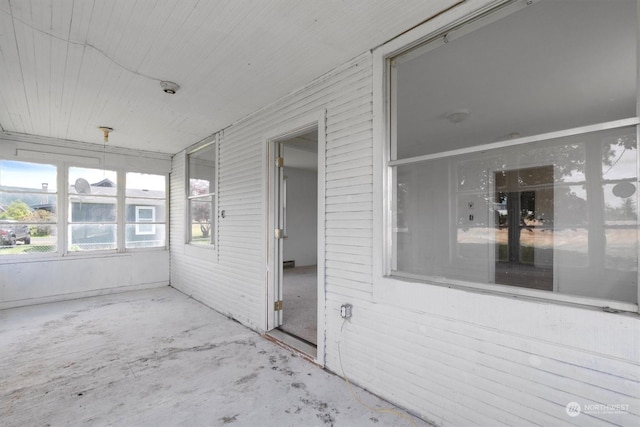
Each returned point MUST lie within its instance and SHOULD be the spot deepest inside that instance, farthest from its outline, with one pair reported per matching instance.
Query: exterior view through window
(28, 208)
(29, 220)
(513, 153)
(145, 210)
(93, 209)
(202, 194)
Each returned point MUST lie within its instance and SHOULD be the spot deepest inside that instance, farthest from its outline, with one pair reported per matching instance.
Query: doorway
(524, 227)
(297, 268)
(299, 188)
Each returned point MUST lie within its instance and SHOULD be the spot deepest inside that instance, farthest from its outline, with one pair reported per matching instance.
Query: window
(513, 152)
(28, 208)
(145, 210)
(145, 216)
(93, 207)
(202, 194)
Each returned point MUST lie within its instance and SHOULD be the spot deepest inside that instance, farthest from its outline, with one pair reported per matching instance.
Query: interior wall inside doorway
(302, 216)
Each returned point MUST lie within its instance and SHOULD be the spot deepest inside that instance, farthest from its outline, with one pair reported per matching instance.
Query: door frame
(287, 130)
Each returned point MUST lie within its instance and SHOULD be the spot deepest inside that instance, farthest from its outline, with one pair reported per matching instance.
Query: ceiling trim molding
(83, 146)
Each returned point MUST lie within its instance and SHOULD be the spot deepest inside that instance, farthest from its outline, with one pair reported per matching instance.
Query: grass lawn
(38, 245)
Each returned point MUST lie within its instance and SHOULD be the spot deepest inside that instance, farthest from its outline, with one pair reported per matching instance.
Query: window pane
(28, 206)
(145, 235)
(142, 185)
(91, 237)
(537, 70)
(27, 176)
(140, 209)
(540, 216)
(202, 171)
(29, 238)
(92, 181)
(145, 213)
(201, 221)
(620, 200)
(93, 209)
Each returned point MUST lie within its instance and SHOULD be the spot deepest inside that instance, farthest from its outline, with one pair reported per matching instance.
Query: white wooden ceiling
(67, 67)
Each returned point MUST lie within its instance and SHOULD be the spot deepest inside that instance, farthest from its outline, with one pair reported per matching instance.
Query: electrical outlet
(345, 311)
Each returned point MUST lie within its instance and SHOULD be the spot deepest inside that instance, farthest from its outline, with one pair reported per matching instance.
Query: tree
(201, 207)
(17, 210)
(40, 216)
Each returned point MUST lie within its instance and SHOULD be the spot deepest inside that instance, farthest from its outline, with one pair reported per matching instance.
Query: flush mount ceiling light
(169, 87)
(105, 132)
(457, 116)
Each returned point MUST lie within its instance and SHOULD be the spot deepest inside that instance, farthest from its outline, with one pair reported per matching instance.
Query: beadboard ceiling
(67, 67)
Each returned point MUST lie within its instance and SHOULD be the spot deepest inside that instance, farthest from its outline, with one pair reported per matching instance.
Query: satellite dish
(82, 186)
(624, 190)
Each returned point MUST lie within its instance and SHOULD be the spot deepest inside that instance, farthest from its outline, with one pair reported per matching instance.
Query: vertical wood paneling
(236, 277)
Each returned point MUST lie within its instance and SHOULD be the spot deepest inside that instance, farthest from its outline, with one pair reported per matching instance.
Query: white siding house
(454, 347)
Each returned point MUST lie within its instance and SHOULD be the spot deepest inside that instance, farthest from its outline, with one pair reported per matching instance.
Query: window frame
(144, 222)
(63, 223)
(137, 205)
(119, 247)
(464, 18)
(213, 141)
(58, 194)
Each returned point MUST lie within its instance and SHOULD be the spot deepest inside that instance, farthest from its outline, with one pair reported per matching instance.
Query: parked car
(12, 232)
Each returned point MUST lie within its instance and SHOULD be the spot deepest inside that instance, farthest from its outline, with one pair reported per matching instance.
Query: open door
(297, 284)
(524, 227)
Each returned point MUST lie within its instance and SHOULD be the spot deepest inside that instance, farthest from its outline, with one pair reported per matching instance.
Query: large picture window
(513, 155)
(202, 195)
(28, 208)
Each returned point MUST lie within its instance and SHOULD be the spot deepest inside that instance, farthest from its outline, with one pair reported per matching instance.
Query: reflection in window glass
(558, 226)
(513, 78)
(620, 202)
(93, 207)
(145, 210)
(512, 161)
(28, 208)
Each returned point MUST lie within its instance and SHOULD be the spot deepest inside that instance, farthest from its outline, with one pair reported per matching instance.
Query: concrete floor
(301, 302)
(159, 358)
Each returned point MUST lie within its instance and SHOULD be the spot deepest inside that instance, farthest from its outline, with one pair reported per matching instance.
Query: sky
(33, 175)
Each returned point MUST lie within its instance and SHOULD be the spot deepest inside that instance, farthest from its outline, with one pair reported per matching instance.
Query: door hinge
(277, 306)
(280, 162)
(279, 233)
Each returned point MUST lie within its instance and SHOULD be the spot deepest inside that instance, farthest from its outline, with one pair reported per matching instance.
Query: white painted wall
(301, 244)
(26, 280)
(454, 356)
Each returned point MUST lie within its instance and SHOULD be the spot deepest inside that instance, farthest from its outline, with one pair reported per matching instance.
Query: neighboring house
(96, 213)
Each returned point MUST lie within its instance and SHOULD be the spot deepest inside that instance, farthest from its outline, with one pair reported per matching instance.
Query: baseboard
(77, 295)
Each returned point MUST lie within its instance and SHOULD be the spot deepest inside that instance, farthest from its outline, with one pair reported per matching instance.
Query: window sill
(205, 253)
(53, 257)
(387, 289)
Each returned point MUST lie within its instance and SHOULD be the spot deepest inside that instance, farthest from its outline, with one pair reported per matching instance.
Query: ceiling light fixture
(105, 132)
(169, 87)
